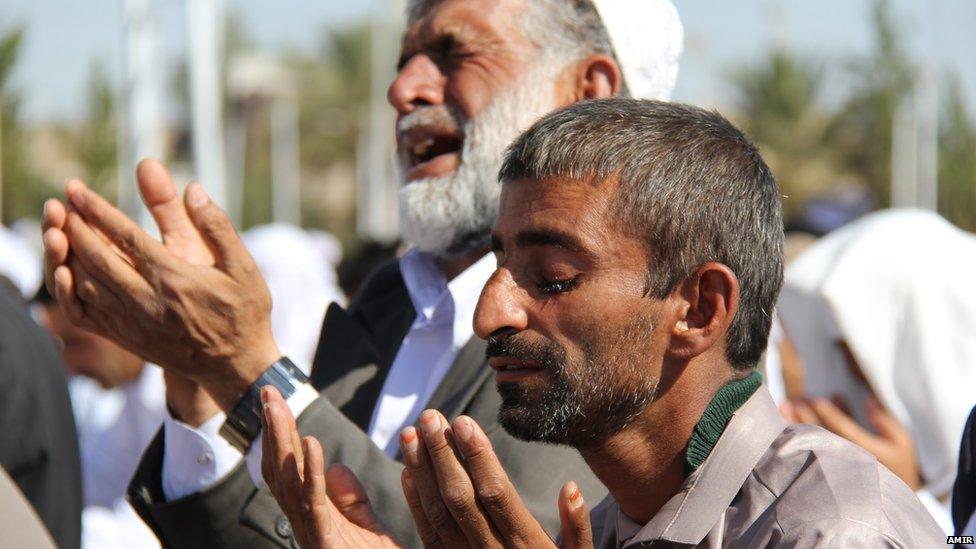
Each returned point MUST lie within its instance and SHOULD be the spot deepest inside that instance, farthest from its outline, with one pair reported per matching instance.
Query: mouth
(511, 369)
(430, 151)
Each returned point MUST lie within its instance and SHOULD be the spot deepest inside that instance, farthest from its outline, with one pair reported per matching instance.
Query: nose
(419, 82)
(499, 308)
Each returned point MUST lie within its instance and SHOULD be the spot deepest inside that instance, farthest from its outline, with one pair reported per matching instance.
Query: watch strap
(244, 422)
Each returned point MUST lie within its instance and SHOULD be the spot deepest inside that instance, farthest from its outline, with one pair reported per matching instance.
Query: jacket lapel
(462, 381)
(357, 348)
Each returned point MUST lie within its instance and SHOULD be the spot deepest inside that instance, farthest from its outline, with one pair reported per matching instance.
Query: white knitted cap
(647, 39)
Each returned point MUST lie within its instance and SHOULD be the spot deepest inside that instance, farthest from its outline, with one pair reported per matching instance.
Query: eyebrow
(546, 238)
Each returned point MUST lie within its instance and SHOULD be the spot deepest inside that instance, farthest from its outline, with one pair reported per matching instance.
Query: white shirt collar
(440, 303)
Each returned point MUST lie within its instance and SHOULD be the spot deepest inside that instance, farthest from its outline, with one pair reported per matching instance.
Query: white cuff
(195, 458)
(297, 402)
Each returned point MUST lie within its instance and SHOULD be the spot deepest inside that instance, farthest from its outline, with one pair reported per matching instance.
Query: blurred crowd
(871, 339)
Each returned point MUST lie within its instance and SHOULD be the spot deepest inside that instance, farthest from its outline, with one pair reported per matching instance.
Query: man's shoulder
(817, 480)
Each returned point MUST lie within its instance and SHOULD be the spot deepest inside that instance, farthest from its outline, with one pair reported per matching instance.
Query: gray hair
(563, 30)
(691, 185)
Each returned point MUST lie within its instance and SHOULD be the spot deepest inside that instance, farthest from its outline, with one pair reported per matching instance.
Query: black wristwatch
(244, 421)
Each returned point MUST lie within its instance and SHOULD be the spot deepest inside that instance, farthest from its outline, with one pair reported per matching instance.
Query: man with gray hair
(640, 252)
(472, 75)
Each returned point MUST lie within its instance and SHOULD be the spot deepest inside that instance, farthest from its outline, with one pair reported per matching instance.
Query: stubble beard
(582, 404)
(451, 215)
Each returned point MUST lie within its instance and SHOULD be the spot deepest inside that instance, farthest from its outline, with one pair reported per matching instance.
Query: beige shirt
(767, 483)
(19, 524)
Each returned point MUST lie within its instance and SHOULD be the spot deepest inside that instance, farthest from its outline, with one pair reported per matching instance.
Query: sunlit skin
(91, 355)
(460, 53)
(593, 282)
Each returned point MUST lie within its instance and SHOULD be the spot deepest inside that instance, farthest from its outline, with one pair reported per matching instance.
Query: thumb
(349, 497)
(883, 421)
(574, 519)
(218, 233)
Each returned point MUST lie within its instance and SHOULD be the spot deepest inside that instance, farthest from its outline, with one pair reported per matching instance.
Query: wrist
(187, 401)
(245, 419)
(228, 385)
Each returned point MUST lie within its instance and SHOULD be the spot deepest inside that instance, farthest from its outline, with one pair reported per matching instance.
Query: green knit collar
(709, 428)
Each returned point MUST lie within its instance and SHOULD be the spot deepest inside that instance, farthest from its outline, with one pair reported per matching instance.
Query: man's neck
(457, 265)
(643, 465)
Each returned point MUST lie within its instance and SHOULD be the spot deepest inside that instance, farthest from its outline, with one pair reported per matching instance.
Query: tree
(20, 192)
(779, 105)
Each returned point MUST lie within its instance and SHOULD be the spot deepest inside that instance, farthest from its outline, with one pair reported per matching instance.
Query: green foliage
(95, 142)
(813, 148)
(21, 191)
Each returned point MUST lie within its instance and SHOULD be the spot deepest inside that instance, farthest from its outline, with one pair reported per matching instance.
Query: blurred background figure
(964, 492)
(119, 404)
(300, 269)
(20, 264)
(38, 443)
(878, 321)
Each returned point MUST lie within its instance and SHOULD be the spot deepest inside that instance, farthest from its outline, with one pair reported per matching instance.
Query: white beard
(452, 214)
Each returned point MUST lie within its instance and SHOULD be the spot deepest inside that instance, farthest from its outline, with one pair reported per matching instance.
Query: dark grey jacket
(351, 364)
(38, 441)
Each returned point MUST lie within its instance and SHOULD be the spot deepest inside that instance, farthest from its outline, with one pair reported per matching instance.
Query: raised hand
(891, 442)
(209, 323)
(460, 495)
(326, 508)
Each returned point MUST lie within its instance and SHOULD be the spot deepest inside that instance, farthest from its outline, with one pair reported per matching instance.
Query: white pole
(141, 125)
(285, 163)
(904, 157)
(376, 194)
(205, 21)
(927, 124)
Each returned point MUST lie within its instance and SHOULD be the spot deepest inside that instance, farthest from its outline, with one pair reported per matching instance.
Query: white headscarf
(299, 267)
(647, 39)
(897, 287)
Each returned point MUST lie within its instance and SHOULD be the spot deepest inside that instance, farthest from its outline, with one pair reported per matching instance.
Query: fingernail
(462, 428)
(196, 196)
(265, 394)
(408, 441)
(429, 422)
(576, 500)
(77, 199)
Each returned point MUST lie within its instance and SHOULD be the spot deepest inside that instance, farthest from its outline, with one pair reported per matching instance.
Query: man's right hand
(210, 323)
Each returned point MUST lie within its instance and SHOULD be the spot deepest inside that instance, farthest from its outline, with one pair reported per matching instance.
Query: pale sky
(66, 36)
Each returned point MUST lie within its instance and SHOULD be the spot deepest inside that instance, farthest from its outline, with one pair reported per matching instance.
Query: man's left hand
(460, 495)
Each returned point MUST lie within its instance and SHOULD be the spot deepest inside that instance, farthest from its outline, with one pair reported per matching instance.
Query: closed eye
(552, 287)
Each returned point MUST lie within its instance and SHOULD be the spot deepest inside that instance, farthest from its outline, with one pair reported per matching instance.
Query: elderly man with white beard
(472, 75)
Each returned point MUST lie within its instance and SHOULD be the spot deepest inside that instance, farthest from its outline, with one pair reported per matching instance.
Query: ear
(708, 300)
(597, 77)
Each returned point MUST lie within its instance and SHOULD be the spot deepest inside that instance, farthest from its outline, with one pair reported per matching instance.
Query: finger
(316, 509)
(805, 413)
(288, 478)
(455, 485)
(418, 462)
(347, 493)
(102, 308)
(103, 263)
(884, 422)
(218, 232)
(146, 253)
(428, 535)
(56, 249)
(574, 518)
(64, 293)
(53, 215)
(494, 489)
(788, 411)
(267, 455)
(839, 423)
(164, 202)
